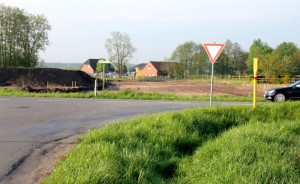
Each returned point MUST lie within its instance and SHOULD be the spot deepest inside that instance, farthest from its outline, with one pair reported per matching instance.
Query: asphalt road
(26, 124)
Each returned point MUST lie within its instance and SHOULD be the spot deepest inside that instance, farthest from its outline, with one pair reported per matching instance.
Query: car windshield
(294, 84)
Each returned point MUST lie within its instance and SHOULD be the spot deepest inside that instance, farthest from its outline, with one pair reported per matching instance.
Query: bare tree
(120, 49)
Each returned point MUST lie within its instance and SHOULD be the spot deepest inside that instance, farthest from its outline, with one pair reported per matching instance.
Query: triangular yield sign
(213, 50)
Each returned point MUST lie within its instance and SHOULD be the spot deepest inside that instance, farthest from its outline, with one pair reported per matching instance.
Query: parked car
(292, 92)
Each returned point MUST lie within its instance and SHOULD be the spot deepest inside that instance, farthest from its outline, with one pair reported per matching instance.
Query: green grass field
(126, 94)
(204, 145)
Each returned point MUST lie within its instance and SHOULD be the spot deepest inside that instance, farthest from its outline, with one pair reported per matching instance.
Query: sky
(80, 28)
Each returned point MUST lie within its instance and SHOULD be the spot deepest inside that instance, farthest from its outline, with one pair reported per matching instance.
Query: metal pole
(254, 91)
(211, 85)
(255, 68)
(96, 86)
(103, 78)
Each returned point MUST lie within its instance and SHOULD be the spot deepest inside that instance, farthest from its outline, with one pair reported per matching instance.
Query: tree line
(22, 36)
(190, 58)
(284, 60)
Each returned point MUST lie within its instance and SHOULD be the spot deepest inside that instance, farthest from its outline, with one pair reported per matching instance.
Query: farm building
(154, 69)
(139, 69)
(89, 66)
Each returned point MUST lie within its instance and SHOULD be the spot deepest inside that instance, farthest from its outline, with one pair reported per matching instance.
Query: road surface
(27, 124)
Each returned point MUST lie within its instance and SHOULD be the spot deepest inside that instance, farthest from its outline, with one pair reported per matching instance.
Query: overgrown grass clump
(126, 94)
(218, 145)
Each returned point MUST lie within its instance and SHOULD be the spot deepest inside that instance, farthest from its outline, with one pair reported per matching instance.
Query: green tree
(186, 55)
(11, 20)
(119, 48)
(124, 70)
(34, 38)
(273, 65)
(297, 63)
(173, 69)
(288, 50)
(232, 61)
(99, 67)
(257, 50)
(281, 61)
(22, 36)
(201, 61)
(183, 54)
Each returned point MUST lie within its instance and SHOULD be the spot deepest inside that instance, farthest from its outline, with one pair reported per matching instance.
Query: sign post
(103, 61)
(255, 68)
(211, 85)
(213, 51)
(96, 87)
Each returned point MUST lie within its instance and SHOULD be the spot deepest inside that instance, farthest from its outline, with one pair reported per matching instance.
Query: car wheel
(279, 97)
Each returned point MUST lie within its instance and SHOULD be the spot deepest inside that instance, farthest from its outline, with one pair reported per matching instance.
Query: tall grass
(126, 94)
(232, 144)
(258, 152)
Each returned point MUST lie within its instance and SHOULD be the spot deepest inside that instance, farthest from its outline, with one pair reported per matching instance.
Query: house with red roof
(139, 70)
(154, 69)
(89, 66)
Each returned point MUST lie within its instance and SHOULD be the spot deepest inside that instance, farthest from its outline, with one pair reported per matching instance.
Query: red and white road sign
(213, 50)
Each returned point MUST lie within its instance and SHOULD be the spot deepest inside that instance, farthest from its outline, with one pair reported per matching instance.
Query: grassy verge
(126, 94)
(255, 153)
(218, 145)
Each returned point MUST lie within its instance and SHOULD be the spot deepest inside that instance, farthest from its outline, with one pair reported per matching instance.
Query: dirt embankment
(45, 79)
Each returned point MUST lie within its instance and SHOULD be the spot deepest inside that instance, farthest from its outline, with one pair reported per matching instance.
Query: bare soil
(185, 88)
(45, 79)
(52, 79)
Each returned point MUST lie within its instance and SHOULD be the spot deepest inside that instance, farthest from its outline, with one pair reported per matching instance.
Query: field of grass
(126, 94)
(204, 145)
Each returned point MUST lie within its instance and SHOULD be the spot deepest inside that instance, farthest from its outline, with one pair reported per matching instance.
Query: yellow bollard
(255, 68)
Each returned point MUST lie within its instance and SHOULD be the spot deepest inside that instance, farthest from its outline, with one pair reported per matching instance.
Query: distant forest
(66, 66)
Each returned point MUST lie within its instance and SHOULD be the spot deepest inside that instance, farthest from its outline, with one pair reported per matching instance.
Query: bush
(273, 79)
(286, 79)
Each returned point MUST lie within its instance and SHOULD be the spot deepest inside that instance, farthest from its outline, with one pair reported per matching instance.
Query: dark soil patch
(46, 79)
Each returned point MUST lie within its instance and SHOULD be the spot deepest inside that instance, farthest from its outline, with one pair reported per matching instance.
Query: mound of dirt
(45, 78)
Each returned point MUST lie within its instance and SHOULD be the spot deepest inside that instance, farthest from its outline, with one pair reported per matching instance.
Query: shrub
(286, 79)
